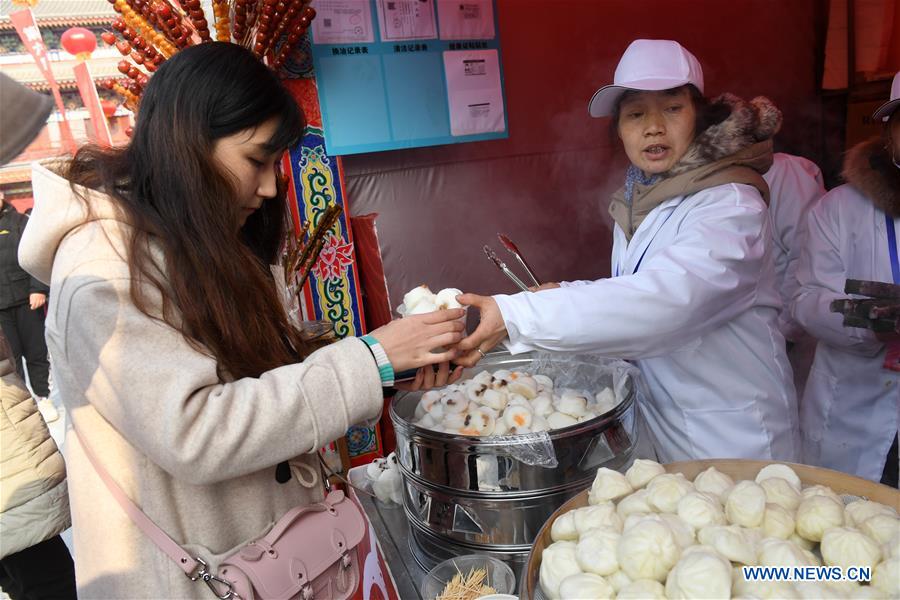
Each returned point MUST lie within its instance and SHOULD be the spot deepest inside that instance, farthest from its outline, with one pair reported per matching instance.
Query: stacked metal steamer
(491, 495)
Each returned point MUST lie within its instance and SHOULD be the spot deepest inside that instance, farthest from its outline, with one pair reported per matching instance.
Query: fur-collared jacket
(737, 149)
(868, 169)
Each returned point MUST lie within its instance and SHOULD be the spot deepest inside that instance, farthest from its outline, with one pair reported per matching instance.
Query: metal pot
(493, 494)
(462, 463)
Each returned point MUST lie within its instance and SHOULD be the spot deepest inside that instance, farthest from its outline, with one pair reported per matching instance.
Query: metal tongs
(514, 250)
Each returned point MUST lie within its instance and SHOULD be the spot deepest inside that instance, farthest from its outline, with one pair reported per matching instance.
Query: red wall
(547, 186)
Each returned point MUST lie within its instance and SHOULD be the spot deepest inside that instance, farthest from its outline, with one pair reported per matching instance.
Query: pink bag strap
(194, 567)
(185, 561)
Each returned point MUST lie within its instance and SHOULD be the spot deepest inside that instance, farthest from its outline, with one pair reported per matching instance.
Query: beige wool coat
(34, 505)
(196, 453)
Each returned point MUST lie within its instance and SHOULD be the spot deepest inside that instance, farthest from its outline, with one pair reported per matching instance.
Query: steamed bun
(700, 574)
(700, 509)
(596, 551)
(634, 503)
(642, 589)
(608, 485)
(778, 522)
(782, 472)
(746, 504)
(665, 491)
(818, 513)
(585, 586)
(642, 471)
(846, 547)
(734, 543)
(557, 562)
(648, 551)
(563, 527)
(713, 481)
(599, 515)
(781, 492)
(861, 510)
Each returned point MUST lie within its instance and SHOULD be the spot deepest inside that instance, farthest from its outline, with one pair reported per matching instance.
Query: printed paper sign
(466, 19)
(474, 92)
(406, 20)
(342, 22)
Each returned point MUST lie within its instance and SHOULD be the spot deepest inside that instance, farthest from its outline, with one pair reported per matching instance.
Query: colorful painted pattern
(332, 291)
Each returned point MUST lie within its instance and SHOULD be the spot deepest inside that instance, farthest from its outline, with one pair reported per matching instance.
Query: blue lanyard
(650, 243)
(892, 247)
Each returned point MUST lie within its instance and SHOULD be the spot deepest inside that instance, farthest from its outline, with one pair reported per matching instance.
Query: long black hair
(214, 282)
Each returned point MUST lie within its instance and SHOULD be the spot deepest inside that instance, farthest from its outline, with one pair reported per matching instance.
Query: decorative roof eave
(65, 85)
(6, 24)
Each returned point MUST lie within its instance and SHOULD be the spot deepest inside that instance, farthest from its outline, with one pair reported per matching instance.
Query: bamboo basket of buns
(738, 469)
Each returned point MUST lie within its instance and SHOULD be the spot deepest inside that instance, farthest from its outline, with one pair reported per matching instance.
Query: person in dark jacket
(22, 297)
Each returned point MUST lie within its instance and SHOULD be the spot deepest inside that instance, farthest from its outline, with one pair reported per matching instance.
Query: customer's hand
(544, 286)
(35, 301)
(490, 331)
(408, 342)
(427, 378)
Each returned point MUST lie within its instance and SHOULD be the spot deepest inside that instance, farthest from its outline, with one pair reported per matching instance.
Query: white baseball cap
(885, 111)
(650, 66)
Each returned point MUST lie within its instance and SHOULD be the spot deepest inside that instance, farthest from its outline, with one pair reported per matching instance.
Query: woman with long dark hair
(171, 349)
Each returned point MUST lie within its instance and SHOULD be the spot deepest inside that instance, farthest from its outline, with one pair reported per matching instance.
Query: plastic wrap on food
(534, 449)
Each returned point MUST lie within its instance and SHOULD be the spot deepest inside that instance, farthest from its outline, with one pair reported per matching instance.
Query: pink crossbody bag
(309, 554)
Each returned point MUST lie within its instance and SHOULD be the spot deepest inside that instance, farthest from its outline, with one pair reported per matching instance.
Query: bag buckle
(213, 582)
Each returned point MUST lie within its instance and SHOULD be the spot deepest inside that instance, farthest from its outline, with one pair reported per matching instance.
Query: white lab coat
(851, 408)
(699, 318)
(795, 185)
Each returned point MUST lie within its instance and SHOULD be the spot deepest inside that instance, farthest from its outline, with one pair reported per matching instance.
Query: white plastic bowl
(499, 576)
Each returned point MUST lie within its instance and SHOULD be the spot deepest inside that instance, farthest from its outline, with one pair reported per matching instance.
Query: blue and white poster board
(397, 74)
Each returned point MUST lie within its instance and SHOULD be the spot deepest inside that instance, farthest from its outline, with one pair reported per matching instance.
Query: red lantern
(109, 108)
(79, 41)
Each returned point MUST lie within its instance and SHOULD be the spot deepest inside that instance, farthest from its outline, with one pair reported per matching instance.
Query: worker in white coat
(693, 300)
(851, 408)
(795, 185)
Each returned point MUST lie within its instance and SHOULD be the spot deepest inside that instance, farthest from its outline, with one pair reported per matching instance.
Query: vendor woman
(692, 301)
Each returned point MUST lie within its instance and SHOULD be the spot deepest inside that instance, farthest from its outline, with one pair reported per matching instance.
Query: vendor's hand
(408, 341)
(427, 378)
(543, 286)
(490, 331)
(35, 301)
